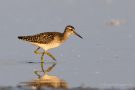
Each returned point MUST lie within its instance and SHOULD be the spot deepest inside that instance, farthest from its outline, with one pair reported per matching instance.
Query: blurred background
(104, 58)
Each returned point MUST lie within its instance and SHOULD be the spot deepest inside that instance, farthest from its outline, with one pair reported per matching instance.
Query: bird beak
(78, 35)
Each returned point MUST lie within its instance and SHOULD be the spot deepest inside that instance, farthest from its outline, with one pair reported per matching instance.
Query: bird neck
(66, 35)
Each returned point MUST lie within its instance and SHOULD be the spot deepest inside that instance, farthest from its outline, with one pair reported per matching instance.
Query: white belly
(47, 46)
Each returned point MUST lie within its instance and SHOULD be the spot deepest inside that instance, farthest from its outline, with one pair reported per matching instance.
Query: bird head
(70, 30)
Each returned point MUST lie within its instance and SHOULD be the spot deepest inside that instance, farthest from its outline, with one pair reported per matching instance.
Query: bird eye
(71, 29)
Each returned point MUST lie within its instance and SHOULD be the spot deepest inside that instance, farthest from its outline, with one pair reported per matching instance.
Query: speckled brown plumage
(42, 38)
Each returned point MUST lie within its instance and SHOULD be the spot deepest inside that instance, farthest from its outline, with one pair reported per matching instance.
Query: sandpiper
(49, 40)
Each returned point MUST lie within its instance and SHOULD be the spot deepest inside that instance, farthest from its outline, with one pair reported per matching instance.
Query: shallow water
(104, 58)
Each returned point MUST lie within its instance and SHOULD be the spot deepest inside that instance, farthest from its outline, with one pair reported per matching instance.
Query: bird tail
(27, 38)
(20, 37)
(23, 38)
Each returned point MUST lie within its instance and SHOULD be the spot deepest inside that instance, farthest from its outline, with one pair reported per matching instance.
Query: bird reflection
(45, 80)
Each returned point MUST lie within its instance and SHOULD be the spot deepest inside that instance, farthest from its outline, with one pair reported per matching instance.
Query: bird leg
(49, 54)
(42, 57)
(36, 51)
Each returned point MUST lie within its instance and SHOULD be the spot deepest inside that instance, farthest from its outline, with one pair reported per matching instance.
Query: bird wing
(42, 38)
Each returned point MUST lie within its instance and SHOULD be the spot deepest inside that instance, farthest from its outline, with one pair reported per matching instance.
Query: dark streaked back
(42, 38)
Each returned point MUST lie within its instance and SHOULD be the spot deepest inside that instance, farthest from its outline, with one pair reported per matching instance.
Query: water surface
(104, 58)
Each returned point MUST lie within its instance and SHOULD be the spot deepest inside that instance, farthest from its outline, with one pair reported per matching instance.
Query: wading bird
(49, 40)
